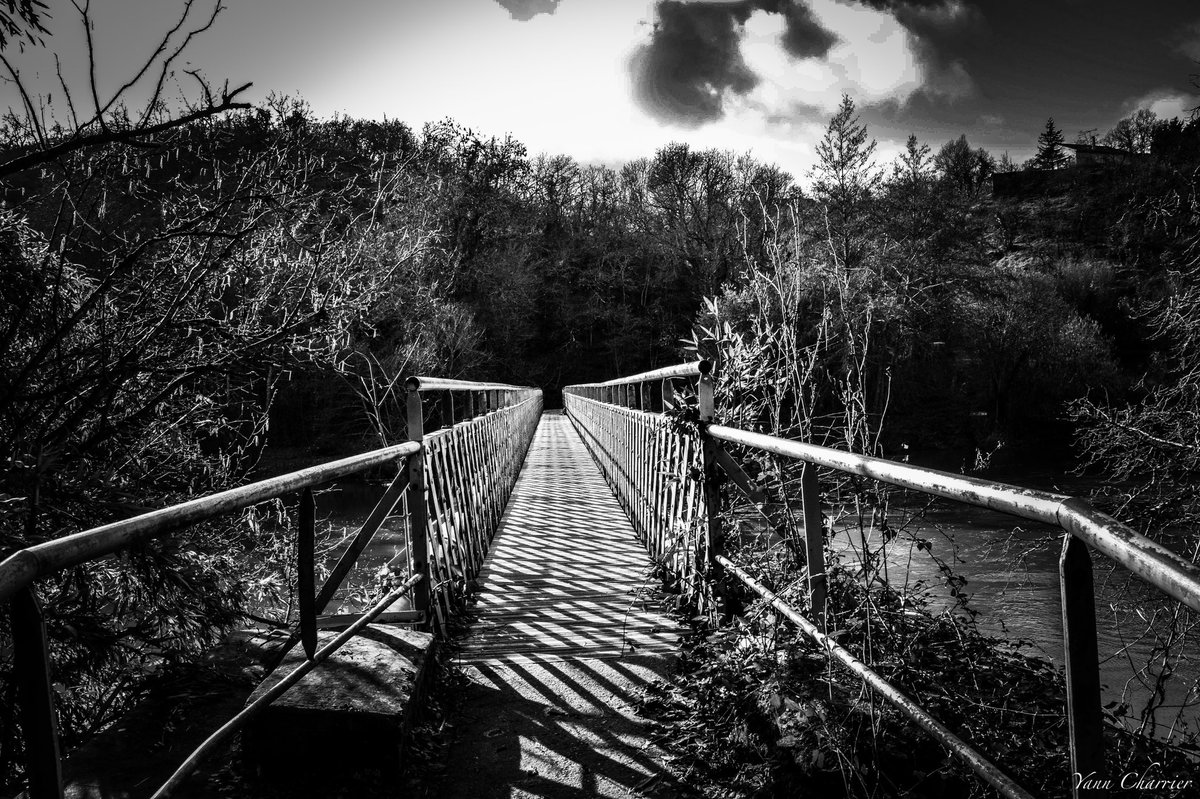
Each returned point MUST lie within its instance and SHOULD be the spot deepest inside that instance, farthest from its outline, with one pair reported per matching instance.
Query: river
(1011, 567)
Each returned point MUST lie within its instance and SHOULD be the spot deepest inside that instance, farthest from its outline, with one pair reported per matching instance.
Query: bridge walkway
(566, 638)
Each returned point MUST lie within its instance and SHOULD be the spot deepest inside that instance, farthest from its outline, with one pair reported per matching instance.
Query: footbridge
(536, 537)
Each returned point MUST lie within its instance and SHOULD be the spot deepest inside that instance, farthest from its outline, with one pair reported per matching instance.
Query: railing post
(417, 540)
(306, 587)
(1082, 666)
(470, 406)
(668, 394)
(814, 542)
(714, 539)
(31, 667)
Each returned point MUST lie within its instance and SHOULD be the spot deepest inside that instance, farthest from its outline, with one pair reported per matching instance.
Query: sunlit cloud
(704, 60)
(1166, 103)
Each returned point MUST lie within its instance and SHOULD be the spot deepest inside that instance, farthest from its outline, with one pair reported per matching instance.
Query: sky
(611, 80)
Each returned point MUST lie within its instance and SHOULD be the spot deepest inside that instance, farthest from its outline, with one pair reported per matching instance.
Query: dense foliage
(179, 298)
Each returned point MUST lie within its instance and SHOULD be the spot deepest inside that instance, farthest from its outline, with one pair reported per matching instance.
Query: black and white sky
(609, 80)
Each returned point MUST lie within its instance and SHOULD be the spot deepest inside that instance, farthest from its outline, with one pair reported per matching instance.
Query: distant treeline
(172, 303)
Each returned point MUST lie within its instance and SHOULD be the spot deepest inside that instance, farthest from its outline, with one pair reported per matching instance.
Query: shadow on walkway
(556, 728)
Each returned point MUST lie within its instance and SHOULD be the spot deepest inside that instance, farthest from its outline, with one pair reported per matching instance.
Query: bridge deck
(566, 574)
(564, 643)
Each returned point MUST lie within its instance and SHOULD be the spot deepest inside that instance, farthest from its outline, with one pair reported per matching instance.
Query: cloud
(525, 10)
(1188, 41)
(786, 58)
(1166, 103)
(693, 62)
(874, 61)
(803, 35)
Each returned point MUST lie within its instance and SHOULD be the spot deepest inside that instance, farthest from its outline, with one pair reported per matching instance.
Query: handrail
(1154, 563)
(693, 369)
(22, 567)
(622, 432)
(417, 383)
(447, 538)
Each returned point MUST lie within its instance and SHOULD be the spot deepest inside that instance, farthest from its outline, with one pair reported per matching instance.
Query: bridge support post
(814, 542)
(714, 538)
(1082, 665)
(417, 522)
(31, 667)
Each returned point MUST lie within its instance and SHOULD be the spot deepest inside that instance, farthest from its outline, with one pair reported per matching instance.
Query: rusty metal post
(417, 537)
(714, 538)
(1082, 664)
(814, 542)
(31, 669)
(306, 586)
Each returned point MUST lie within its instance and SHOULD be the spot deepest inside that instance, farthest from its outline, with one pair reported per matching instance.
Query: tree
(844, 181)
(1133, 134)
(21, 19)
(1051, 154)
(914, 167)
(964, 170)
(31, 141)
(911, 215)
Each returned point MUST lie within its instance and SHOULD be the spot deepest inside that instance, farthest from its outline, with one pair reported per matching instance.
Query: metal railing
(466, 472)
(622, 437)
(649, 465)
(452, 484)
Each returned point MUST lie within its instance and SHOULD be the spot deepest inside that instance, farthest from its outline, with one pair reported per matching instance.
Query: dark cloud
(693, 58)
(803, 37)
(525, 10)
(900, 5)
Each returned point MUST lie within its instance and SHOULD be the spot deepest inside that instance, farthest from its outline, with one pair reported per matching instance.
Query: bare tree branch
(130, 136)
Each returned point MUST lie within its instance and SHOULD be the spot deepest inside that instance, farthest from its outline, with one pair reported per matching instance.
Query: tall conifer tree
(1051, 154)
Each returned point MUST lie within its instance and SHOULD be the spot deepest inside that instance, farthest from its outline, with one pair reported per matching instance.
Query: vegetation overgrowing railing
(619, 422)
(452, 485)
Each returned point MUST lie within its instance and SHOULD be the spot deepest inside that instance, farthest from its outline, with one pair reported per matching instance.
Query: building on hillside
(1091, 155)
(1095, 166)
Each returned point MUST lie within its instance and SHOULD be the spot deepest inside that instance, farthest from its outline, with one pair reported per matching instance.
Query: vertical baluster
(1082, 662)
(814, 542)
(306, 586)
(417, 544)
(441, 523)
(712, 493)
(31, 669)
(440, 569)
